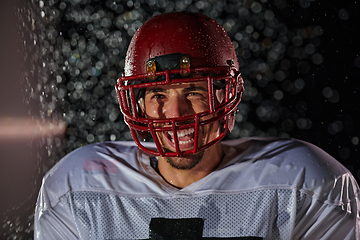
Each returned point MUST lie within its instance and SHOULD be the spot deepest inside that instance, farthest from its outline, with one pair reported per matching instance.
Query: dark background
(60, 60)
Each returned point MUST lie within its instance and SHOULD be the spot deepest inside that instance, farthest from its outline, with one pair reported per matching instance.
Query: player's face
(171, 101)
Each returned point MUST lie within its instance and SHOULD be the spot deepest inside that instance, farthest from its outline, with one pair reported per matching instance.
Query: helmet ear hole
(220, 95)
(231, 121)
(143, 135)
(141, 108)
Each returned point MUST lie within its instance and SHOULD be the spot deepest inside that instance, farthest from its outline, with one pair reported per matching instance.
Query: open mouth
(185, 138)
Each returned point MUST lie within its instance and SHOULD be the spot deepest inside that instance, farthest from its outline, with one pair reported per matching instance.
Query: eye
(196, 95)
(158, 96)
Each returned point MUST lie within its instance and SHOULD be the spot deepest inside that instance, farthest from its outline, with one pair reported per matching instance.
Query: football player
(180, 92)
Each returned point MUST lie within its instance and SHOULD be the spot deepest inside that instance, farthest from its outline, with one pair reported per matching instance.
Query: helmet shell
(194, 34)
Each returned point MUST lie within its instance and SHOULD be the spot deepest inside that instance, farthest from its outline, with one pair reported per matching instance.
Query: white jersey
(266, 188)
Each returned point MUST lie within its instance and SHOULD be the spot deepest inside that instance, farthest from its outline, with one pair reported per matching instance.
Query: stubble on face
(185, 162)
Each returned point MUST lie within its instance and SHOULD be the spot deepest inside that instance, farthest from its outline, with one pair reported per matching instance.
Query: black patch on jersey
(163, 228)
(184, 228)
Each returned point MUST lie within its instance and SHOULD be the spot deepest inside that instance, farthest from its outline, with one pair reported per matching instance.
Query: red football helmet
(178, 48)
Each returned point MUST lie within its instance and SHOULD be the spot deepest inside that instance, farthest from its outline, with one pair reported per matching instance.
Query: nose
(176, 106)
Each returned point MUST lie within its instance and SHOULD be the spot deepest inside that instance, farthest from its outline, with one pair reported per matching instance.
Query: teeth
(183, 132)
(183, 142)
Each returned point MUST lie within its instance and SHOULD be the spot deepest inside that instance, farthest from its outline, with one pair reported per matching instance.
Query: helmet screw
(185, 59)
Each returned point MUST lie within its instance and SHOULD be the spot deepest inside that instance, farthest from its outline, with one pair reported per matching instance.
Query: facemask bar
(127, 89)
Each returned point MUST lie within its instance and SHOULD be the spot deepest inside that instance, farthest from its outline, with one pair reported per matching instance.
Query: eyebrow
(189, 89)
(155, 90)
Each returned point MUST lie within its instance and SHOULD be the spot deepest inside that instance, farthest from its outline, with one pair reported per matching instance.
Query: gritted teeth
(183, 142)
(183, 132)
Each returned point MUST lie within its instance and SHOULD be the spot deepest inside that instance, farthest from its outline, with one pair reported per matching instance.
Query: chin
(186, 162)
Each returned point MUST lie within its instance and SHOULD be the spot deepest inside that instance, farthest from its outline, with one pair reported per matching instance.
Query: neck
(182, 177)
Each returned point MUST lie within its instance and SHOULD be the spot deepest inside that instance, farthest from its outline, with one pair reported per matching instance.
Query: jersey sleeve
(94, 167)
(332, 206)
(319, 219)
(53, 222)
(53, 216)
